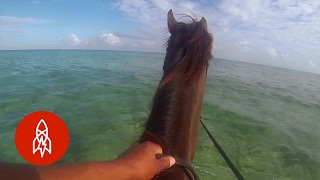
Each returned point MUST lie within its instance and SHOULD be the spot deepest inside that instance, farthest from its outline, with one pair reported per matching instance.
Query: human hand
(137, 163)
(142, 161)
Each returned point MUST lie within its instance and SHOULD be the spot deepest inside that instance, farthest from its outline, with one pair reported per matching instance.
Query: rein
(223, 154)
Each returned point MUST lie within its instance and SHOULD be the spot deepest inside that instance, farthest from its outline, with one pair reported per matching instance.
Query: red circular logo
(42, 138)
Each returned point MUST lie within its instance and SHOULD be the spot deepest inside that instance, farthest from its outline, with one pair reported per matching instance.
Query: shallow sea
(267, 119)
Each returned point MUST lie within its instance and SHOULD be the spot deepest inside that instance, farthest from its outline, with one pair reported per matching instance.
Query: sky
(282, 33)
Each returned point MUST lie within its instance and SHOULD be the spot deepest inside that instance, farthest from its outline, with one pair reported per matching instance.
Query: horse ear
(171, 21)
(203, 23)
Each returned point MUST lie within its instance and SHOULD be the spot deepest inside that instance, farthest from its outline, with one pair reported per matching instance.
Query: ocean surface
(267, 119)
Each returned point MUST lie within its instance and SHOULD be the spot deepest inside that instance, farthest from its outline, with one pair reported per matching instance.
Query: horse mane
(198, 47)
(165, 104)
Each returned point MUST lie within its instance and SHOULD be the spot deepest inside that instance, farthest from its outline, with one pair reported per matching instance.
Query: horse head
(174, 119)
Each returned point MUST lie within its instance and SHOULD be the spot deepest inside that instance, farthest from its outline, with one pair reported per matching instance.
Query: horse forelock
(195, 58)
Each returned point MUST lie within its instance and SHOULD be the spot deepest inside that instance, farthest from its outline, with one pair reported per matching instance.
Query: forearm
(95, 170)
(137, 163)
(12, 171)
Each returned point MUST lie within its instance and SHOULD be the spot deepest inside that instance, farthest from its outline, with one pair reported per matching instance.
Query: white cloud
(153, 12)
(130, 36)
(148, 43)
(14, 21)
(105, 38)
(102, 39)
(277, 29)
(21, 32)
(272, 51)
(246, 48)
(73, 39)
(244, 43)
(311, 64)
(285, 31)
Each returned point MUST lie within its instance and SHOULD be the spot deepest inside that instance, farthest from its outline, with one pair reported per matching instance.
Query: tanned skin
(136, 163)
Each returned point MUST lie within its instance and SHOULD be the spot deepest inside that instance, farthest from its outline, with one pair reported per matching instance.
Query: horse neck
(174, 119)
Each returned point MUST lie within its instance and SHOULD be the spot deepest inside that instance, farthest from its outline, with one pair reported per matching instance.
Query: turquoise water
(267, 119)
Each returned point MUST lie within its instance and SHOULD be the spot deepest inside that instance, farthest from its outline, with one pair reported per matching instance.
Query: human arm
(138, 163)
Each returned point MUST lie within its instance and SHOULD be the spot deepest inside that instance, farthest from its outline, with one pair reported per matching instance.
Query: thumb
(166, 162)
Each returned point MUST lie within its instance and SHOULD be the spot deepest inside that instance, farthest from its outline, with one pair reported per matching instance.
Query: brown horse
(174, 119)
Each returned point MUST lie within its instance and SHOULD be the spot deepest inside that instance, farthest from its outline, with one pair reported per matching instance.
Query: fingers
(166, 162)
(152, 147)
(162, 163)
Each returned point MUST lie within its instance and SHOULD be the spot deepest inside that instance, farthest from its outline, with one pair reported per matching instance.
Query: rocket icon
(42, 141)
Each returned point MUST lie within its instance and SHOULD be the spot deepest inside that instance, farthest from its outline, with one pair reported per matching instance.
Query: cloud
(130, 36)
(311, 64)
(246, 48)
(279, 33)
(152, 12)
(148, 43)
(11, 27)
(105, 38)
(272, 51)
(72, 39)
(21, 32)
(102, 40)
(244, 42)
(288, 30)
(14, 21)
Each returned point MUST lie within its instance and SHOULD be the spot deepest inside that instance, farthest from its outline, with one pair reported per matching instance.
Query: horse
(176, 106)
